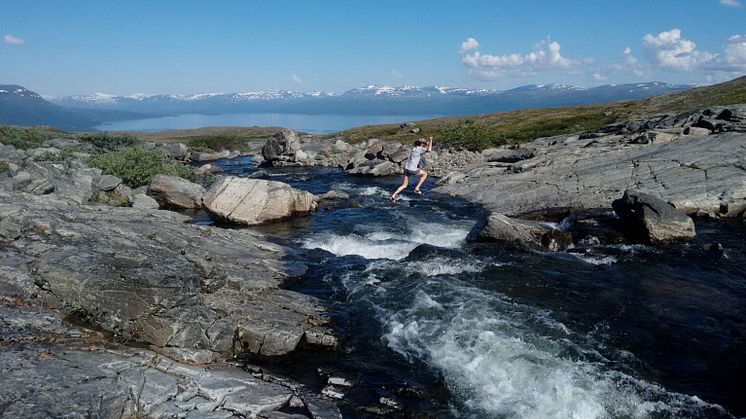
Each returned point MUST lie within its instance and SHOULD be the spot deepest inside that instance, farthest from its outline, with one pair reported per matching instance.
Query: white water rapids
(498, 358)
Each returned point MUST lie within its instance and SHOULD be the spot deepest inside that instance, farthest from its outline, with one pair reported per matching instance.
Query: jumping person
(412, 167)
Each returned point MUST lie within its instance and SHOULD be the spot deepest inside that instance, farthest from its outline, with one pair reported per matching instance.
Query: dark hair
(420, 141)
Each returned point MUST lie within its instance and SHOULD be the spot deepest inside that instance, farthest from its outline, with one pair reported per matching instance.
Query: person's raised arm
(430, 144)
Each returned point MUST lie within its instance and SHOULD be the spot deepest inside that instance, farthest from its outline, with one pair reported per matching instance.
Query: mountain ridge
(372, 99)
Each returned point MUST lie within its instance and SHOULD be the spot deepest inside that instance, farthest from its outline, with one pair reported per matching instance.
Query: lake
(312, 124)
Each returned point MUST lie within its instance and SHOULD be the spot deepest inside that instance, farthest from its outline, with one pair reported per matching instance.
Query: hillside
(20, 106)
(481, 131)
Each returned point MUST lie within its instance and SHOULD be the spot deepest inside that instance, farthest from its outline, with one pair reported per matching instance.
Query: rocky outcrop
(175, 192)
(647, 217)
(698, 174)
(284, 149)
(51, 368)
(254, 201)
(193, 293)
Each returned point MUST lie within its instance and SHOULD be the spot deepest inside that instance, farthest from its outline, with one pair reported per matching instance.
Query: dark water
(450, 328)
(312, 124)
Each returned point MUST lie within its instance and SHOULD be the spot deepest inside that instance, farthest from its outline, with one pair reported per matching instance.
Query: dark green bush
(65, 155)
(210, 143)
(137, 165)
(106, 141)
(25, 138)
(468, 134)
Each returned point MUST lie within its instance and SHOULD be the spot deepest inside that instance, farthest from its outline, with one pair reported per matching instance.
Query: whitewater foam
(491, 352)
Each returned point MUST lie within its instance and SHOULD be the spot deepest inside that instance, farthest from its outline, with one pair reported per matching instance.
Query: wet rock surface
(651, 219)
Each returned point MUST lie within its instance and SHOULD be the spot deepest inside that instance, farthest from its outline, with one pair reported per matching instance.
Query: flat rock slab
(696, 174)
(53, 381)
(195, 293)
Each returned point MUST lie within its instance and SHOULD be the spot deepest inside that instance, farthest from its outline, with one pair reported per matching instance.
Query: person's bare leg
(423, 175)
(403, 186)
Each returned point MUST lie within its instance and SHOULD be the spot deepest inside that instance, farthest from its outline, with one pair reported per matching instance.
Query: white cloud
(12, 40)
(545, 56)
(469, 45)
(598, 76)
(296, 79)
(670, 50)
(630, 63)
(396, 74)
(735, 53)
(730, 3)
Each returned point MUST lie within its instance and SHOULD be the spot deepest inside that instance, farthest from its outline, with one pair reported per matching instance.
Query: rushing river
(451, 328)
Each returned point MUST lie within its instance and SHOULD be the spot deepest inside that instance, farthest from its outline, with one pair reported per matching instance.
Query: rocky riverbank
(693, 161)
(82, 284)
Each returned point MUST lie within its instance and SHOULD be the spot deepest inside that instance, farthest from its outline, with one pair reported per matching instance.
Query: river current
(441, 326)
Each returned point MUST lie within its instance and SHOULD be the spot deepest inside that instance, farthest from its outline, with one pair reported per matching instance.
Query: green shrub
(25, 138)
(470, 135)
(106, 141)
(211, 143)
(137, 165)
(65, 155)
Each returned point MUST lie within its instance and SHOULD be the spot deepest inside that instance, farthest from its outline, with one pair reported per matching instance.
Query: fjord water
(312, 124)
(481, 330)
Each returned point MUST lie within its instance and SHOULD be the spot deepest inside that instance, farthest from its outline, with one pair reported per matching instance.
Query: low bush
(210, 143)
(106, 141)
(65, 155)
(25, 138)
(137, 165)
(470, 135)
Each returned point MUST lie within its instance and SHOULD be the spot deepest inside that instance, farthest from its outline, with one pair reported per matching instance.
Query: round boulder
(255, 201)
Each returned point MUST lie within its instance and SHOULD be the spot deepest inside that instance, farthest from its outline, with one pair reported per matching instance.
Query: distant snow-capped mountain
(372, 99)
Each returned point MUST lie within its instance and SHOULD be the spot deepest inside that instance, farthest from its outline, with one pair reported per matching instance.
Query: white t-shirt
(414, 158)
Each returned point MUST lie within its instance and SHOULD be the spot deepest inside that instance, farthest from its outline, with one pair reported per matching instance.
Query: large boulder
(524, 234)
(175, 192)
(649, 218)
(218, 155)
(255, 201)
(282, 146)
(177, 151)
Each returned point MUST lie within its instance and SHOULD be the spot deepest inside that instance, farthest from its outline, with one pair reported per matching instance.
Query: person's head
(420, 142)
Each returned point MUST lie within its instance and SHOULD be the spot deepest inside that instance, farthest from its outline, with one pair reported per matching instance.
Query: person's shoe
(418, 192)
(392, 198)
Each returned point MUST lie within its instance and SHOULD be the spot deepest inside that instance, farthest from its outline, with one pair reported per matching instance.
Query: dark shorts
(408, 172)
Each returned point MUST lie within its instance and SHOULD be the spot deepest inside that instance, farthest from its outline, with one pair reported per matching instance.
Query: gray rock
(524, 234)
(175, 192)
(108, 183)
(386, 168)
(142, 201)
(210, 156)
(120, 382)
(177, 151)
(282, 146)
(652, 219)
(255, 201)
(341, 146)
(194, 293)
(696, 132)
(696, 174)
(208, 168)
(61, 143)
(374, 151)
(509, 156)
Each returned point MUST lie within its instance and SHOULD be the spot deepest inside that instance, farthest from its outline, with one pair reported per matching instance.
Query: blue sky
(122, 47)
